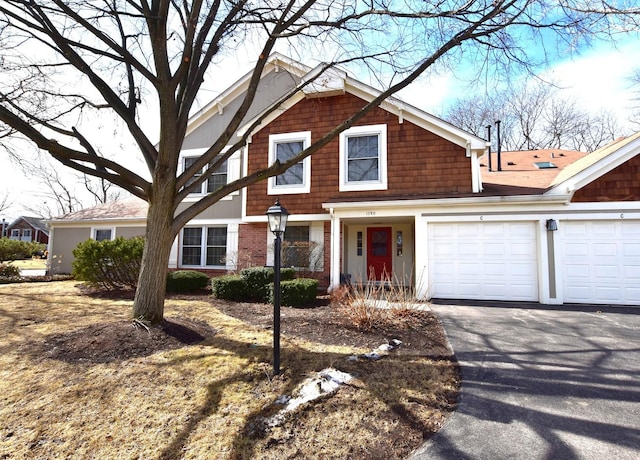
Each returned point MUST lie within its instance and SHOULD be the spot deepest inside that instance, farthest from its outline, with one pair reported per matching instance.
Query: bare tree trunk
(148, 305)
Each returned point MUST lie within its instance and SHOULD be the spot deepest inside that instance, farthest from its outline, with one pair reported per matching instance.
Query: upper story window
(296, 179)
(214, 182)
(363, 158)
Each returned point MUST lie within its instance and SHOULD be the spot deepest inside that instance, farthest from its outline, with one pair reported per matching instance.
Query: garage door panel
(500, 263)
(631, 250)
(601, 262)
(577, 271)
(605, 249)
(494, 249)
(606, 271)
(632, 272)
(576, 249)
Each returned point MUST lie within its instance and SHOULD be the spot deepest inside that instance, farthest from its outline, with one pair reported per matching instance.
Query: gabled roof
(596, 165)
(526, 171)
(275, 63)
(131, 208)
(335, 81)
(35, 222)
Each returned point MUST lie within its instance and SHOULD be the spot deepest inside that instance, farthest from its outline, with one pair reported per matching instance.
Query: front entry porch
(379, 252)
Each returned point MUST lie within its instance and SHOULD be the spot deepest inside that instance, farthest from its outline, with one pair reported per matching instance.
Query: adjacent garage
(601, 261)
(483, 261)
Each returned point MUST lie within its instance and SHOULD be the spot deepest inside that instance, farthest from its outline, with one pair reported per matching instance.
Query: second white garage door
(483, 261)
(601, 261)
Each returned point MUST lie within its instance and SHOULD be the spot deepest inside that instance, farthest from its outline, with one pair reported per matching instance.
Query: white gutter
(453, 202)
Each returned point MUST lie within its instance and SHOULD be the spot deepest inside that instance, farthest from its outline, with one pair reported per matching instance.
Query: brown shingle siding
(418, 161)
(620, 184)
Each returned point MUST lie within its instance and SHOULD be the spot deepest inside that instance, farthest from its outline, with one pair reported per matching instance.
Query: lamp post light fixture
(277, 216)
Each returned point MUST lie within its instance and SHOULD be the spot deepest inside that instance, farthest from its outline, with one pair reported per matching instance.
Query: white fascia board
(445, 203)
(418, 117)
(598, 169)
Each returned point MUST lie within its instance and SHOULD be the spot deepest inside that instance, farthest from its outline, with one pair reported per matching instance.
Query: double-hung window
(214, 182)
(363, 158)
(204, 246)
(284, 147)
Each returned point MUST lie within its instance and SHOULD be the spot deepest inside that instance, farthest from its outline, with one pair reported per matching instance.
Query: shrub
(17, 250)
(9, 271)
(109, 264)
(186, 281)
(258, 280)
(229, 287)
(296, 293)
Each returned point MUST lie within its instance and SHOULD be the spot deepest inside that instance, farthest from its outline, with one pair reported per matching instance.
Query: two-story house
(400, 198)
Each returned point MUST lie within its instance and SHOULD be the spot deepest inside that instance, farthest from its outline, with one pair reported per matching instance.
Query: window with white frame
(15, 233)
(204, 246)
(216, 180)
(102, 234)
(363, 158)
(283, 147)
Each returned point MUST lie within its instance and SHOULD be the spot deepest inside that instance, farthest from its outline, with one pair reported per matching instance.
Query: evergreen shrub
(109, 264)
(186, 281)
(229, 287)
(296, 293)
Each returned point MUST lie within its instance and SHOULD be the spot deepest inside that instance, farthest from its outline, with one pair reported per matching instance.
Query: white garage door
(601, 262)
(484, 261)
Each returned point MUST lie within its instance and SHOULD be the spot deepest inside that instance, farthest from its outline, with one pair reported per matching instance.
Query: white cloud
(599, 79)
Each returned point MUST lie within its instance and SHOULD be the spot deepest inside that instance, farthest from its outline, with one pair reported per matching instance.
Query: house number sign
(370, 213)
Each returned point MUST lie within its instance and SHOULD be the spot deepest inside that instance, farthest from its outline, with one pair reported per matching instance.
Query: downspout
(489, 149)
(499, 146)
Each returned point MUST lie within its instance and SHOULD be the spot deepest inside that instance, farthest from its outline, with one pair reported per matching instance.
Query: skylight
(544, 165)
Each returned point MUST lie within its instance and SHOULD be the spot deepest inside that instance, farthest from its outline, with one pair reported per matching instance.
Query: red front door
(379, 258)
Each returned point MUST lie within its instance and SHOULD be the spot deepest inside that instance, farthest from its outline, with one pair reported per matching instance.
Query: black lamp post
(277, 216)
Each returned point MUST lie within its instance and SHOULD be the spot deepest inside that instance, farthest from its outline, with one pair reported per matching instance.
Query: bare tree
(634, 79)
(117, 57)
(536, 117)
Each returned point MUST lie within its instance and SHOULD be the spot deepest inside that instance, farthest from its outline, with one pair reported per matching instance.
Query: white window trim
(203, 247)
(95, 229)
(233, 172)
(381, 183)
(305, 187)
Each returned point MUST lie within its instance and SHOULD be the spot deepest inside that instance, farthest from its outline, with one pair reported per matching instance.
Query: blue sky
(597, 78)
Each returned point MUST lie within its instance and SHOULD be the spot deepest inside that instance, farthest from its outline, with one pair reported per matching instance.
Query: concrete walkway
(542, 382)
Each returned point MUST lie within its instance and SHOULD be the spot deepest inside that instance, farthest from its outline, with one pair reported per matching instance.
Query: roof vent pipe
(489, 140)
(499, 147)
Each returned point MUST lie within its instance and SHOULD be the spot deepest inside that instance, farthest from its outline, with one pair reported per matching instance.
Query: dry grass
(30, 264)
(201, 401)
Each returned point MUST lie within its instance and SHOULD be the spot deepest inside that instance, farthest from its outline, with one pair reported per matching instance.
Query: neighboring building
(407, 198)
(28, 229)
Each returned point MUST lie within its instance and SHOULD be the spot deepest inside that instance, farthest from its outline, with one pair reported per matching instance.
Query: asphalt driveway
(542, 382)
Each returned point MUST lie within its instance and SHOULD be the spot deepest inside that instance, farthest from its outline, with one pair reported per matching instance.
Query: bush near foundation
(296, 293)
(229, 287)
(258, 280)
(186, 281)
(109, 264)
